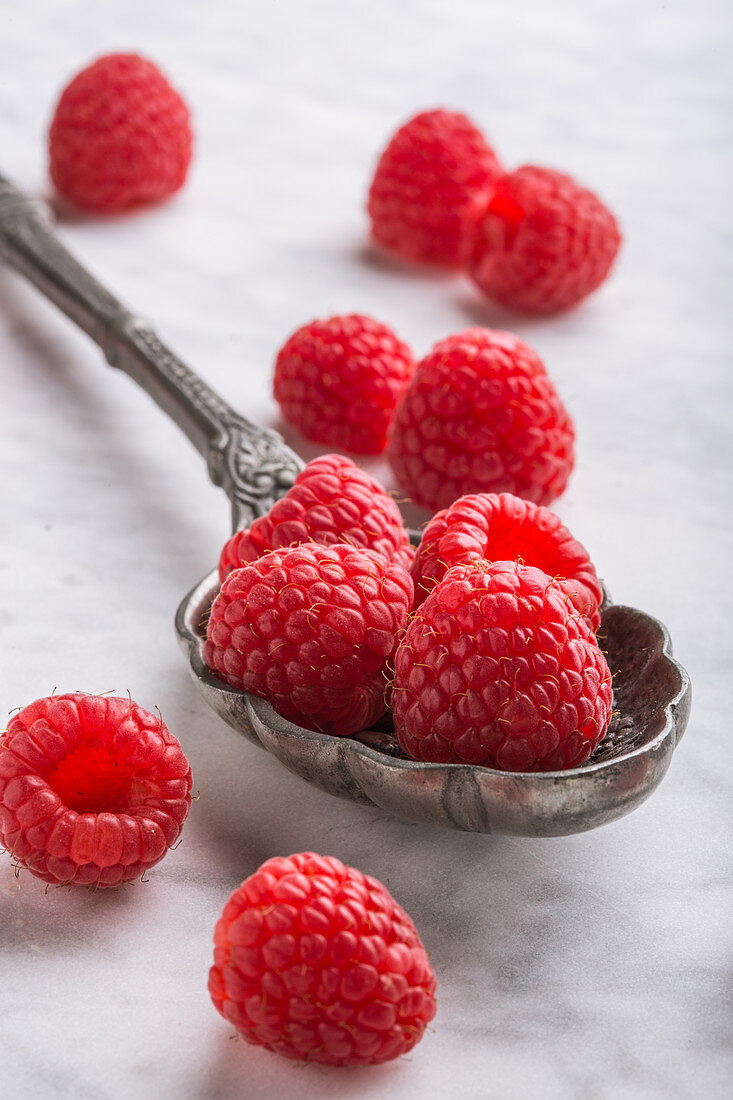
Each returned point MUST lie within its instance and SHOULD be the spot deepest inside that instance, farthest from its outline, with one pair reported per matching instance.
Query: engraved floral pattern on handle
(253, 465)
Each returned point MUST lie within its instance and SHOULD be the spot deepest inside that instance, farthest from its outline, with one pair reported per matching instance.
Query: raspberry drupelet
(310, 629)
(316, 961)
(331, 500)
(94, 790)
(498, 668)
(543, 242)
(481, 415)
(430, 185)
(502, 527)
(120, 136)
(338, 381)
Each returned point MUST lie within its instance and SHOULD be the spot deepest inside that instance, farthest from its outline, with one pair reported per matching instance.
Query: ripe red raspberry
(481, 415)
(498, 668)
(331, 500)
(93, 789)
(543, 243)
(430, 185)
(317, 961)
(120, 136)
(338, 381)
(502, 527)
(310, 629)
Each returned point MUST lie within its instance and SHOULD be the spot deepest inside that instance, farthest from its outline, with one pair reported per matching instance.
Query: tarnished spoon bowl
(254, 467)
(651, 700)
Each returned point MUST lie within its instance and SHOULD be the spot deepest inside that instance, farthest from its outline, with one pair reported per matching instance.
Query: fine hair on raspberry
(481, 415)
(498, 668)
(316, 961)
(502, 527)
(338, 381)
(311, 629)
(120, 136)
(94, 790)
(332, 500)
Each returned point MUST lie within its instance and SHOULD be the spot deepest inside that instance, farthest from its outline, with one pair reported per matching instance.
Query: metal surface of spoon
(254, 467)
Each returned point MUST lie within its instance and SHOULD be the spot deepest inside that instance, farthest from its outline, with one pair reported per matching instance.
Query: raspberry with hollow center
(430, 185)
(310, 629)
(338, 381)
(497, 668)
(120, 136)
(316, 961)
(332, 500)
(543, 242)
(93, 789)
(502, 527)
(481, 415)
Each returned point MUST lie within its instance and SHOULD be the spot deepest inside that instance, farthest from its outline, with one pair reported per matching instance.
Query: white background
(591, 967)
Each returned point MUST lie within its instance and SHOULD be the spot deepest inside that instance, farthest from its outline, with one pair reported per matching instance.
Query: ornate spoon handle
(253, 465)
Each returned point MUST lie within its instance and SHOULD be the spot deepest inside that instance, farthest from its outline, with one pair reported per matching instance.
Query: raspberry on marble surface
(543, 242)
(481, 415)
(338, 381)
(431, 183)
(498, 668)
(502, 527)
(94, 790)
(316, 961)
(120, 136)
(331, 500)
(311, 629)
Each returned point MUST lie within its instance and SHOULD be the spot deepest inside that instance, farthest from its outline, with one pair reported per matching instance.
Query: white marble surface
(593, 967)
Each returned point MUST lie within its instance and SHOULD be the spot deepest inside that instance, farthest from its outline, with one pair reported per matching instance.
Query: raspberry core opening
(90, 779)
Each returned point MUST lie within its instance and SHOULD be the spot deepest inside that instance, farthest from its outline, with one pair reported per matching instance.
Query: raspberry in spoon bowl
(332, 500)
(311, 629)
(502, 527)
(498, 668)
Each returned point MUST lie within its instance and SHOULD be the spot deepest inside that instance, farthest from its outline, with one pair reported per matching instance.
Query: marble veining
(594, 967)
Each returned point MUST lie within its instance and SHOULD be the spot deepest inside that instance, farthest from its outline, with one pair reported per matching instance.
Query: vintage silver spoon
(254, 467)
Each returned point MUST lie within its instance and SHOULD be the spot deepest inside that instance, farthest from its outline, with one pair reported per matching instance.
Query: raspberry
(310, 629)
(504, 528)
(481, 415)
(93, 789)
(316, 961)
(498, 668)
(543, 243)
(120, 136)
(338, 381)
(332, 500)
(430, 185)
